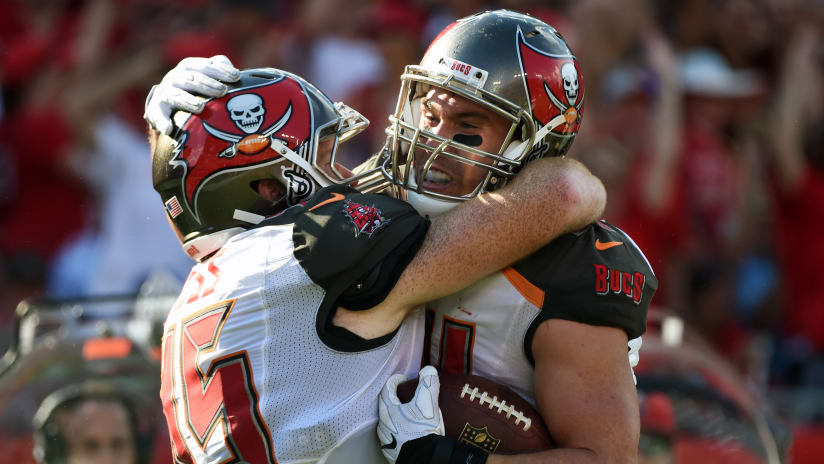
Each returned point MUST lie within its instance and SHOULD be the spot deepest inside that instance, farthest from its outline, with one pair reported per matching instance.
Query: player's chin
(269, 189)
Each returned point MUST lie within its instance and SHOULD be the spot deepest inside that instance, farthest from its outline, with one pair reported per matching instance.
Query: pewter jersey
(596, 276)
(253, 369)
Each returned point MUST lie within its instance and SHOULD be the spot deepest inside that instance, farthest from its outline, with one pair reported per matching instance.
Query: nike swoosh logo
(335, 197)
(391, 445)
(601, 246)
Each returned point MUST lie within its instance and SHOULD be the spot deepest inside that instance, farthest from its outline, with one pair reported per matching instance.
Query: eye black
(470, 140)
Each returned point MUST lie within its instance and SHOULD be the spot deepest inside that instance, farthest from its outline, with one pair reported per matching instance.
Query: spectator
(86, 424)
(799, 192)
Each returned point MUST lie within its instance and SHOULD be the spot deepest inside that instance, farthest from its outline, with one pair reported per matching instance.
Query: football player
(294, 316)
(494, 92)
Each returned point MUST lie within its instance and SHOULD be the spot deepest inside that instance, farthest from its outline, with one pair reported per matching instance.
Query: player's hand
(401, 422)
(183, 87)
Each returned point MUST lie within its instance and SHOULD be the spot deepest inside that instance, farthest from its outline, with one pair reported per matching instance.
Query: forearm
(549, 198)
(666, 121)
(449, 451)
(560, 455)
(786, 139)
(667, 129)
(591, 407)
(796, 83)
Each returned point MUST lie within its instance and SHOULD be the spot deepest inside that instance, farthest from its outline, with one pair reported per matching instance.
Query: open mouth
(436, 179)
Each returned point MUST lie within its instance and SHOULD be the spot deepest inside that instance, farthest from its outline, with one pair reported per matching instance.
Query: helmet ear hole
(268, 189)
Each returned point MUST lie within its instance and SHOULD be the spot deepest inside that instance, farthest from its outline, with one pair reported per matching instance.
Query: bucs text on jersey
(253, 369)
(595, 276)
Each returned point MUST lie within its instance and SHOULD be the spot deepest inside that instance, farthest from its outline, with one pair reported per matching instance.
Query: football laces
(493, 402)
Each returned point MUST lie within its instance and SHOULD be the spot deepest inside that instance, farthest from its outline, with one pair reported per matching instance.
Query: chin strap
(286, 152)
(203, 246)
(246, 216)
(426, 205)
(429, 206)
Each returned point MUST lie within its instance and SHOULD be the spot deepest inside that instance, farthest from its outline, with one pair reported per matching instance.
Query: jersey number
(223, 393)
(194, 288)
(456, 345)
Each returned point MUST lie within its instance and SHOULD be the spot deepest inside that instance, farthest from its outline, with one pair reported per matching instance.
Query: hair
(50, 445)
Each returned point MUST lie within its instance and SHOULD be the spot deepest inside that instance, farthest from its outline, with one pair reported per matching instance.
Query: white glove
(634, 348)
(399, 423)
(183, 87)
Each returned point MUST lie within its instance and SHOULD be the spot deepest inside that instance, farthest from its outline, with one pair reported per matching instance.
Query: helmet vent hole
(532, 33)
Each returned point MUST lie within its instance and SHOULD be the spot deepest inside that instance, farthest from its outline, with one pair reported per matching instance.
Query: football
(486, 414)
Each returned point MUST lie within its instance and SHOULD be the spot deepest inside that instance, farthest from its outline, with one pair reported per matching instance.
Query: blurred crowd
(704, 119)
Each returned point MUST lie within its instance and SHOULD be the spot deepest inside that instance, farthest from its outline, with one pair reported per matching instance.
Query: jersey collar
(200, 247)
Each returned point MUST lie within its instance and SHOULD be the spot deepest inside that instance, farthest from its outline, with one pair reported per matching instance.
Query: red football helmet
(271, 127)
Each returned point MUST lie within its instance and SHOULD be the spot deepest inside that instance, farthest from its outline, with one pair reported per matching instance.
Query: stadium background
(703, 118)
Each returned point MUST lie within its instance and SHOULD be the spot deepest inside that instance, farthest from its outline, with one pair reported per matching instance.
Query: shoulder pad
(341, 235)
(597, 275)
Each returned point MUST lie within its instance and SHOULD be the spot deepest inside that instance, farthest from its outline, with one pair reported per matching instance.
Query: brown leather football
(486, 414)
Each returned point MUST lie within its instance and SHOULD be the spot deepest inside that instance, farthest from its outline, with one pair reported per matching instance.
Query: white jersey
(253, 370)
(487, 328)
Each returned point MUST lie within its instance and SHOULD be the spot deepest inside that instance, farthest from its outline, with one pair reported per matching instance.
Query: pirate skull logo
(247, 112)
(554, 85)
(570, 77)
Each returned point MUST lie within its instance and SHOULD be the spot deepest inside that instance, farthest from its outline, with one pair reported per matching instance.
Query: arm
(666, 123)
(549, 198)
(583, 386)
(797, 83)
(585, 392)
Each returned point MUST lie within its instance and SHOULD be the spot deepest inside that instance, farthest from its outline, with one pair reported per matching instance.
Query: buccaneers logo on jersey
(366, 219)
(235, 132)
(556, 91)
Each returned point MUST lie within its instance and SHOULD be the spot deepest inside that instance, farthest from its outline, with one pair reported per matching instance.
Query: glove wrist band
(437, 449)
